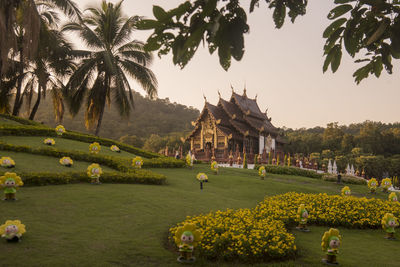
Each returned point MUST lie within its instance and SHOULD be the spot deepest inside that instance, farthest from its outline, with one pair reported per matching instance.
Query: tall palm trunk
(36, 106)
(18, 98)
(107, 85)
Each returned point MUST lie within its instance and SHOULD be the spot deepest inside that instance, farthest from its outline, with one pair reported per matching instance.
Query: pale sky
(283, 67)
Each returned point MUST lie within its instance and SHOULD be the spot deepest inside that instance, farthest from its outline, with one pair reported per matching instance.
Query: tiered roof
(240, 116)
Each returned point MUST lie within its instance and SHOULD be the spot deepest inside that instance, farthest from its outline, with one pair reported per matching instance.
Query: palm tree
(52, 62)
(20, 26)
(102, 74)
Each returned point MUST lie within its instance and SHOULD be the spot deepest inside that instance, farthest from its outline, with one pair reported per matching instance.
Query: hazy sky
(283, 67)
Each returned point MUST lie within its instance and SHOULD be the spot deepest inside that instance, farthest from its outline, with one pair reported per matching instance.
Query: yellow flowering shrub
(260, 233)
(94, 148)
(332, 210)
(238, 234)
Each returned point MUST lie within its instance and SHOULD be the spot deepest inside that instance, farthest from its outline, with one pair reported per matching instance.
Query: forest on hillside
(149, 117)
(370, 146)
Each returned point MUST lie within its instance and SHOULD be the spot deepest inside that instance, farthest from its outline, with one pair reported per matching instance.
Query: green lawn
(126, 225)
(4, 121)
(25, 162)
(61, 143)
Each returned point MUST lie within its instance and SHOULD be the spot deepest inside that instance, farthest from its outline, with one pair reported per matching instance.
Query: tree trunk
(36, 106)
(100, 120)
(18, 100)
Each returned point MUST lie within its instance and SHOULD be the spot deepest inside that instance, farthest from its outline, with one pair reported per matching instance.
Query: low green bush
(345, 179)
(132, 177)
(165, 162)
(290, 171)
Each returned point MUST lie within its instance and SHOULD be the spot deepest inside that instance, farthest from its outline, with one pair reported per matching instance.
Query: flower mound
(260, 234)
(385, 184)
(94, 148)
(94, 171)
(137, 162)
(202, 177)
(60, 130)
(11, 176)
(346, 191)
(7, 162)
(66, 161)
(262, 172)
(214, 166)
(372, 184)
(17, 223)
(49, 141)
(114, 148)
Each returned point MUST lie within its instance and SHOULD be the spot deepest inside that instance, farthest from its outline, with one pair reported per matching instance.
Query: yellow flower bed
(260, 233)
(237, 234)
(332, 210)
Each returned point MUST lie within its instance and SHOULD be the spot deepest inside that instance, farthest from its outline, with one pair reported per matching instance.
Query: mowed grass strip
(25, 162)
(126, 225)
(61, 143)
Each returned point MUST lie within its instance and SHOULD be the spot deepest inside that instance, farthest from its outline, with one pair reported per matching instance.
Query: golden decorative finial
(219, 94)
(205, 99)
(255, 97)
(232, 89)
(244, 90)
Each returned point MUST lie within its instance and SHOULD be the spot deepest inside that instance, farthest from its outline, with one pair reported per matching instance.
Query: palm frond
(144, 76)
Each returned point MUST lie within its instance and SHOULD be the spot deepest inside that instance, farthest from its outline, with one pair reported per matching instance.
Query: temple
(232, 128)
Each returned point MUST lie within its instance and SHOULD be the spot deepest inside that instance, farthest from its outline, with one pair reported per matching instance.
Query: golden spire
(232, 89)
(219, 94)
(205, 99)
(244, 90)
(255, 97)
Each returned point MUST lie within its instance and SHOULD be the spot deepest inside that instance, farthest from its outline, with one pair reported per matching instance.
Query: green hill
(158, 116)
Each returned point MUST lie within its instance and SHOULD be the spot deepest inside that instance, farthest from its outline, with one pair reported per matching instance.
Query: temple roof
(248, 106)
(238, 117)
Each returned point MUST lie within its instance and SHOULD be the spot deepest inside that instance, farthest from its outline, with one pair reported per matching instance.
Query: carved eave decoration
(230, 136)
(233, 116)
(246, 133)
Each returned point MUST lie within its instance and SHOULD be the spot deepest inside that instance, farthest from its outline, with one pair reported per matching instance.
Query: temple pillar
(191, 143)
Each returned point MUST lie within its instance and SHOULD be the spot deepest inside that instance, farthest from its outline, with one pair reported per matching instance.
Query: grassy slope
(125, 225)
(4, 122)
(25, 162)
(62, 143)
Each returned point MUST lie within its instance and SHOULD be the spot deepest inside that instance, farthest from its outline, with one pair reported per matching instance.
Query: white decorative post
(334, 169)
(348, 169)
(329, 166)
(352, 170)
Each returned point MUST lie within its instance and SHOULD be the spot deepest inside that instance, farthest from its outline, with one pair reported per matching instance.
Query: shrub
(345, 179)
(240, 235)
(290, 171)
(260, 233)
(132, 177)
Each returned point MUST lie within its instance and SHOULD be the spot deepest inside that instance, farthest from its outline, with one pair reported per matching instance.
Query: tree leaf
(377, 67)
(333, 26)
(339, 11)
(147, 24)
(159, 13)
(336, 59)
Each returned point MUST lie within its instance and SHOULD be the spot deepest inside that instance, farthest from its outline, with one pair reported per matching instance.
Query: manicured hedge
(45, 131)
(345, 179)
(164, 162)
(132, 177)
(290, 171)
